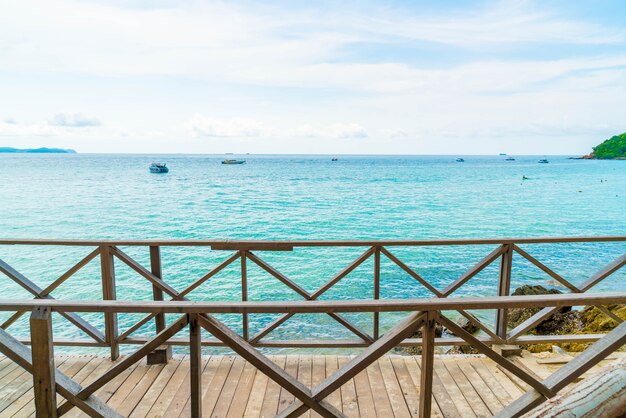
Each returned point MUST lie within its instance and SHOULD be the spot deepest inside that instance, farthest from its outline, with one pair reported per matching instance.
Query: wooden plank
(131, 401)
(101, 368)
(242, 393)
(409, 390)
(257, 393)
(208, 374)
(473, 398)
(228, 390)
(25, 406)
(441, 401)
(331, 366)
(212, 393)
(65, 386)
(170, 389)
(494, 384)
(482, 348)
(379, 392)
(363, 398)
(248, 352)
(449, 384)
(512, 389)
(44, 383)
(318, 374)
(156, 388)
(393, 389)
(181, 397)
(16, 388)
(305, 365)
(133, 358)
(272, 392)
(286, 398)
(117, 399)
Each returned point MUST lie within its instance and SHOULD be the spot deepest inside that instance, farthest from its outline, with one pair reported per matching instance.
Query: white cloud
(73, 120)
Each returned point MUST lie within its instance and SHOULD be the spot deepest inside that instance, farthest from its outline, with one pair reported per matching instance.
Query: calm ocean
(307, 197)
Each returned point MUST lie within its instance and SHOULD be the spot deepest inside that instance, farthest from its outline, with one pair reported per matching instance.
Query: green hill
(37, 150)
(612, 148)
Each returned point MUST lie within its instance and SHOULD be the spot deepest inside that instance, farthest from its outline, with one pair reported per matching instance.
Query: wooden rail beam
(504, 289)
(44, 382)
(162, 354)
(107, 267)
(195, 365)
(428, 359)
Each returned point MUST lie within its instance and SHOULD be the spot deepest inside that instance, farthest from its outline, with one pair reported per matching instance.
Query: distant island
(37, 150)
(612, 149)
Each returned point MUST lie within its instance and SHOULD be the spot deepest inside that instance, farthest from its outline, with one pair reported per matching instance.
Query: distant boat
(159, 168)
(543, 161)
(334, 159)
(502, 153)
(460, 160)
(509, 159)
(233, 161)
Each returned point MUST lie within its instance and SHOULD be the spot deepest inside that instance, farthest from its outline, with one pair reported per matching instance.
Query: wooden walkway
(463, 386)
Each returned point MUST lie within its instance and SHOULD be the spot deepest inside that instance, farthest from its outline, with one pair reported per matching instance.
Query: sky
(312, 77)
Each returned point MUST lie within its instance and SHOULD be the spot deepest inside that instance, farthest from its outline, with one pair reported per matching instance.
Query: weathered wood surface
(600, 395)
(468, 385)
(277, 245)
(319, 306)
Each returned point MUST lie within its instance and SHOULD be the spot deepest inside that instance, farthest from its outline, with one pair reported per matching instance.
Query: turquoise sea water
(307, 197)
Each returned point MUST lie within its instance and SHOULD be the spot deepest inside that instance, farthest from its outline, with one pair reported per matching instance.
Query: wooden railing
(246, 252)
(422, 313)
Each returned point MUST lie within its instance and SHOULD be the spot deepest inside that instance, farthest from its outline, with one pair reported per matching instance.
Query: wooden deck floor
(464, 386)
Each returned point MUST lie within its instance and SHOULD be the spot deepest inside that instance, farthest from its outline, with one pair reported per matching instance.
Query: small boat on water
(509, 159)
(159, 168)
(543, 161)
(334, 159)
(460, 160)
(233, 161)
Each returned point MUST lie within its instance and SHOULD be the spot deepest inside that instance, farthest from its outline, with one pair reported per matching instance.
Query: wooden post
(428, 359)
(162, 354)
(376, 290)
(195, 349)
(108, 293)
(44, 382)
(504, 288)
(244, 292)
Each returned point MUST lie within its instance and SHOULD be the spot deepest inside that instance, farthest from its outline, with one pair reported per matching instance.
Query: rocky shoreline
(567, 321)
